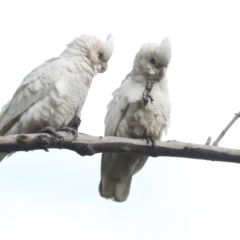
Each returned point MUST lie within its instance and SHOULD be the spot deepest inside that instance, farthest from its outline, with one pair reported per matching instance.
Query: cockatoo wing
(35, 86)
(117, 169)
(129, 92)
(117, 107)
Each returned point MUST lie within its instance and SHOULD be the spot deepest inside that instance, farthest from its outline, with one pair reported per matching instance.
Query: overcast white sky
(55, 195)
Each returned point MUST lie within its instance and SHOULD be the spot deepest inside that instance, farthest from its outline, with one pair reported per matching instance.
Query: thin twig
(208, 142)
(237, 115)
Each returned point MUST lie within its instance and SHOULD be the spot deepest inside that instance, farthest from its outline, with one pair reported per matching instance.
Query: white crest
(165, 50)
(109, 45)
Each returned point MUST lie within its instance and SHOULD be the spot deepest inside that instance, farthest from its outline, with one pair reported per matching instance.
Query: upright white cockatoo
(131, 114)
(54, 93)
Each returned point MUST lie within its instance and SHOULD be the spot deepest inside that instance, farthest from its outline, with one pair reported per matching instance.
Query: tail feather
(116, 174)
(122, 190)
(106, 189)
(115, 190)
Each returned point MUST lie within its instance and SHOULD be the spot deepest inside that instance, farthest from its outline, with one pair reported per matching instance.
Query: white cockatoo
(131, 114)
(54, 93)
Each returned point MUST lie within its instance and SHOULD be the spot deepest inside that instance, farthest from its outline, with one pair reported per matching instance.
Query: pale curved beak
(156, 73)
(162, 71)
(104, 67)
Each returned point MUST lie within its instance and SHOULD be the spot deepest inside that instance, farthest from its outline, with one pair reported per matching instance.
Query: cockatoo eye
(152, 61)
(100, 56)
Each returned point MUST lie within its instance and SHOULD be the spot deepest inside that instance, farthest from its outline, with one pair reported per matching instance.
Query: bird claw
(151, 98)
(75, 123)
(52, 132)
(150, 139)
(146, 93)
(146, 97)
(69, 130)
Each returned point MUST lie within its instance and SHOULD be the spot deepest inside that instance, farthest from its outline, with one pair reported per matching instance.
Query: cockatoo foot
(146, 97)
(69, 130)
(150, 139)
(75, 123)
(146, 93)
(52, 132)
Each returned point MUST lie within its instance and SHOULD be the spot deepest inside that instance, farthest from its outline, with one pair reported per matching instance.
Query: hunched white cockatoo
(131, 114)
(53, 94)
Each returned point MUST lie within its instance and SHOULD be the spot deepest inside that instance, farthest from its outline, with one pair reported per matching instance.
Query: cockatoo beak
(156, 73)
(104, 67)
(162, 71)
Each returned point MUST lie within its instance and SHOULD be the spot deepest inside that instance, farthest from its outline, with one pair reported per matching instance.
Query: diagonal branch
(237, 115)
(89, 145)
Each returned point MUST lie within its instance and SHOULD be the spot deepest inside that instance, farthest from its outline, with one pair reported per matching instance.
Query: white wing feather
(113, 164)
(35, 86)
(117, 107)
(129, 92)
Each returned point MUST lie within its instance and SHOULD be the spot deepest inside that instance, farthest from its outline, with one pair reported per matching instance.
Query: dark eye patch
(152, 61)
(100, 55)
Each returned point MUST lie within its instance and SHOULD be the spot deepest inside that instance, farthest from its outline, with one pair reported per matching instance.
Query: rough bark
(90, 145)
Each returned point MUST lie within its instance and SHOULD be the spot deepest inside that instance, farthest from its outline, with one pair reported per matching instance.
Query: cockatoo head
(152, 60)
(100, 52)
(95, 51)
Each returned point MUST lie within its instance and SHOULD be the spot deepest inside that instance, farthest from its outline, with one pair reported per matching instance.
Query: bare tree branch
(89, 145)
(208, 142)
(237, 115)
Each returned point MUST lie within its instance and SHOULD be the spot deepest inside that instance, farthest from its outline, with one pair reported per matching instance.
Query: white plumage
(54, 93)
(128, 116)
